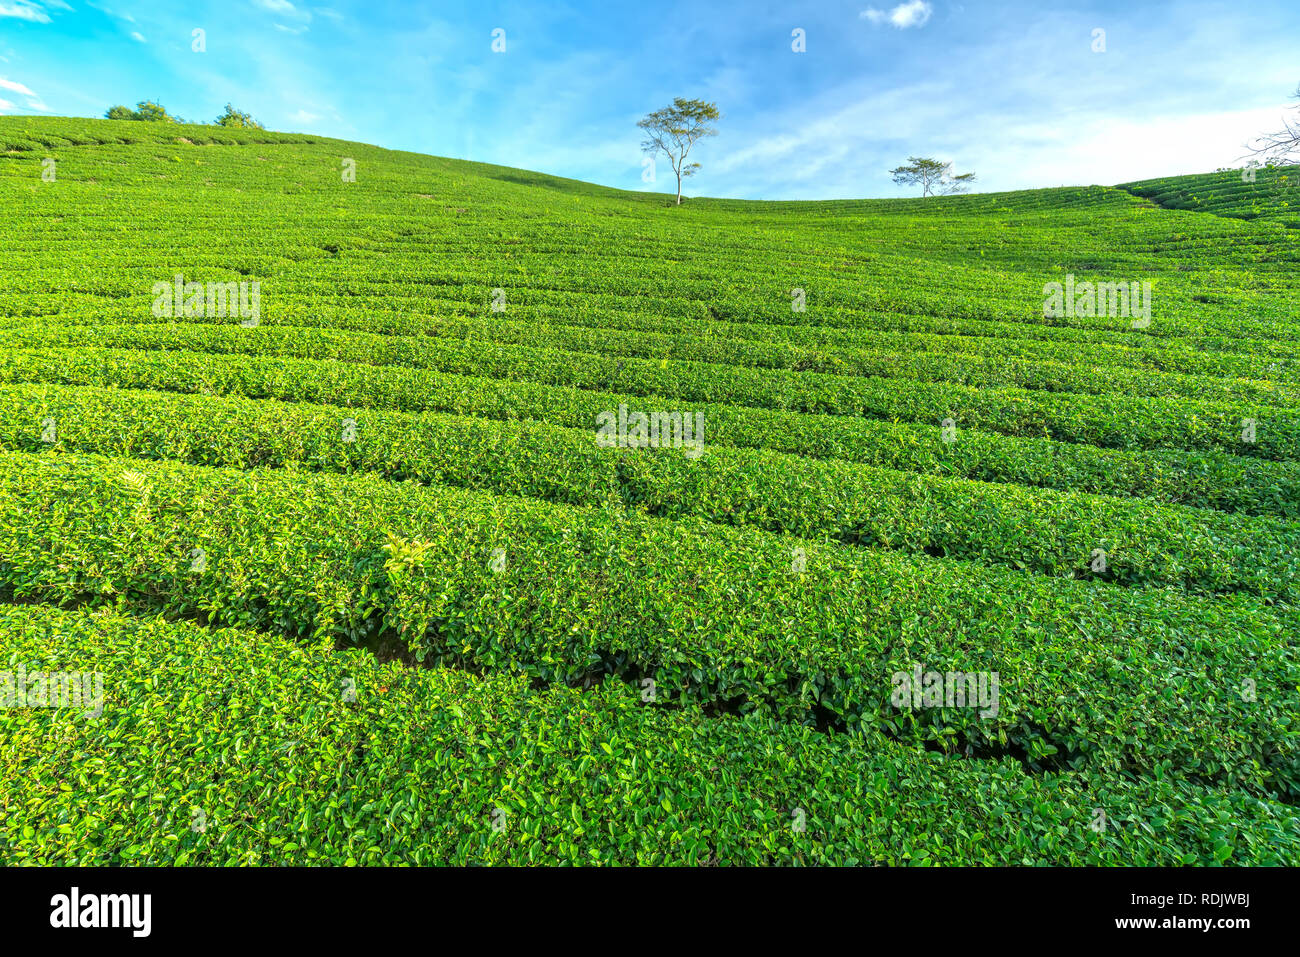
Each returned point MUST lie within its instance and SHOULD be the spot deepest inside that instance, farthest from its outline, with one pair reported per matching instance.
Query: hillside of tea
(367, 507)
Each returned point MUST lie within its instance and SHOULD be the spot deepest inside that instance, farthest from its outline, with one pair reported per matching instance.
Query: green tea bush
(1092, 675)
(1063, 534)
(274, 752)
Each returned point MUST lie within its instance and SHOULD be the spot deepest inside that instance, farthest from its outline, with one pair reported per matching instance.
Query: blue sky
(1012, 90)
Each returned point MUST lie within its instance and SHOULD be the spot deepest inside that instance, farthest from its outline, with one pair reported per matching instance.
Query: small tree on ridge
(675, 129)
(234, 117)
(932, 176)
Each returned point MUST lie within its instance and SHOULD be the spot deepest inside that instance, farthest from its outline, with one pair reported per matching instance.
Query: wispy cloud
(34, 100)
(14, 87)
(111, 13)
(138, 37)
(914, 13)
(24, 10)
(283, 8)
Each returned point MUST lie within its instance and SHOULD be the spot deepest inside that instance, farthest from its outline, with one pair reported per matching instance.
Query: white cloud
(302, 116)
(6, 84)
(24, 10)
(914, 13)
(832, 145)
(138, 37)
(33, 98)
(327, 13)
(110, 13)
(279, 6)
(6, 105)
(285, 9)
(1099, 149)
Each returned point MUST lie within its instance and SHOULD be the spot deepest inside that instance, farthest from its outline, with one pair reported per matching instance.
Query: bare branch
(1279, 147)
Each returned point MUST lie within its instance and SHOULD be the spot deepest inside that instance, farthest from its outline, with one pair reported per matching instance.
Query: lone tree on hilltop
(1282, 147)
(233, 117)
(934, 177)
(675, 129)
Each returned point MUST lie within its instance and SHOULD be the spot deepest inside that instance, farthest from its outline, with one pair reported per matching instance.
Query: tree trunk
(679, 189)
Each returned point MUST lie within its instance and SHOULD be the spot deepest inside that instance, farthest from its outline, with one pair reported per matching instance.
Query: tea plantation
(365, 583)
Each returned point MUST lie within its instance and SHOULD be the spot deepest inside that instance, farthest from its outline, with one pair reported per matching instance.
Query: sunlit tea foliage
(364, 587)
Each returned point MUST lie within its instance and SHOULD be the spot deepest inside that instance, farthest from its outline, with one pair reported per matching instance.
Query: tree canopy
(152, 112)
(146, 110)
(234, 117)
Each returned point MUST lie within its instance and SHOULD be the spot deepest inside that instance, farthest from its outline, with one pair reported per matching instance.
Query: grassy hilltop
(637, 654)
